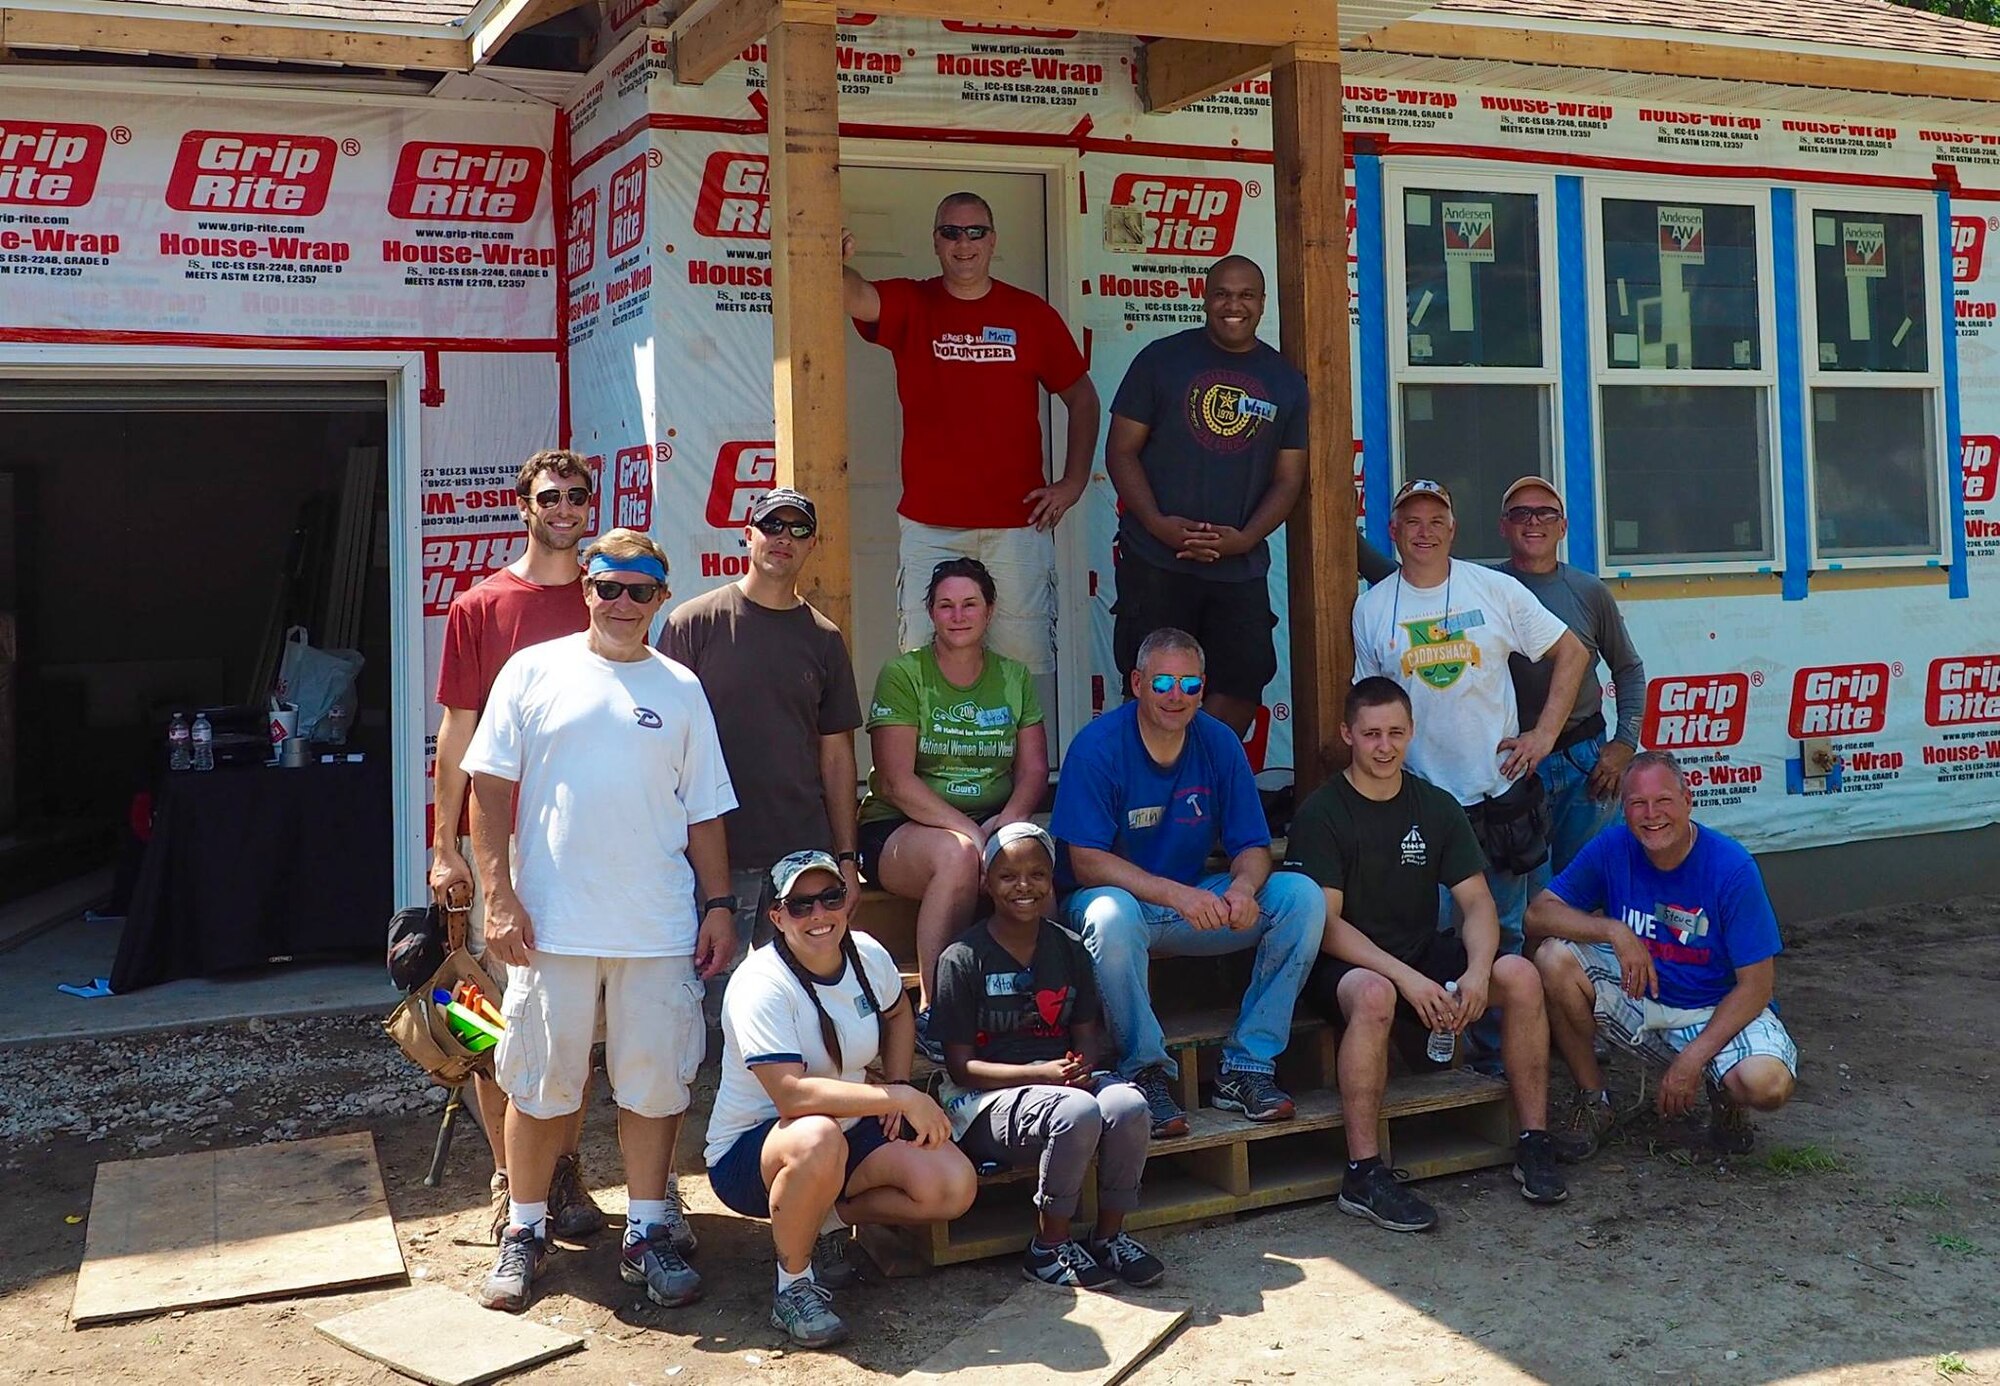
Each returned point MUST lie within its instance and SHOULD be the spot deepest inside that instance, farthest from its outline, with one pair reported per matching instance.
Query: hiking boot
(654, 1263)
(1381, 1198)
(1589, 1120)
(804, 1310)
(497, 1189)
(1535, 1169)
(925, 1045)
(1254, 1095)
(1068, 1265)
(512, 1283)
(830, 1262)
(1729, 1128)
(1167, 1116)
(680, 1232)
(573, 1214)
(1128, 1260)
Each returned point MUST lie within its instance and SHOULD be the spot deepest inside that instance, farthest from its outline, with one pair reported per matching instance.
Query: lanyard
(1396, 607)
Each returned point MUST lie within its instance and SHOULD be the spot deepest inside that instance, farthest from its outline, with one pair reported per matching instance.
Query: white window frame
(1924, 205)
(1757, 197)
(1472, 178)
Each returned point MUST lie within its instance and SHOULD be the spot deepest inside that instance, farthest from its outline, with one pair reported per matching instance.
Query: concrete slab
(441, 1337)
(1079, 1337)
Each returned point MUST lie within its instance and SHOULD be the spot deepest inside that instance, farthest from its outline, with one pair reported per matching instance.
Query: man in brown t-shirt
(778, 677)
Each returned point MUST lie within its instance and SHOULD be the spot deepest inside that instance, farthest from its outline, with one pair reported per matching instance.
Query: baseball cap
(788, 869)
(1009, 833)
(1421, 486)
(1523, 483)
(778, 500)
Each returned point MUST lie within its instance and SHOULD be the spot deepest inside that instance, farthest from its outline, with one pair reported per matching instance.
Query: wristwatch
(719, 902)
(854, 857)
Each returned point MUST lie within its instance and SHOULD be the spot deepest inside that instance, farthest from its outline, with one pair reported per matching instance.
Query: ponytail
(828, 1033)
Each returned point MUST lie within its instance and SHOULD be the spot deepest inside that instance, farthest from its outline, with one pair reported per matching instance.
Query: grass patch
(1951, 1364)
(1791, 1160)
(1932, 1198)
(1957, 1245)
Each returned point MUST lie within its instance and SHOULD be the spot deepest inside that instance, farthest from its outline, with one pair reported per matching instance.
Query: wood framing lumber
(515, 21)
(90, 33)
(1175, 72)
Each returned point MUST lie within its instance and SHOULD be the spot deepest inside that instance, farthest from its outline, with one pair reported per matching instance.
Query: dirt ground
(1857, 1244)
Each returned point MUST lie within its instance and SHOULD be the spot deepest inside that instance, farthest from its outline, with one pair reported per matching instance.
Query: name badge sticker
(1009, 983)
(1144, 817)
(1260, 408)
(1003, 336)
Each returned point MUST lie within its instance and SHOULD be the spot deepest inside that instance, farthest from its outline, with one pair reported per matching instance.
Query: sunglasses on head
(610, 590)
(799, 906)
(1523, 514)
(575, 495)
(773, 526)
(969, 233)
(1191, 684)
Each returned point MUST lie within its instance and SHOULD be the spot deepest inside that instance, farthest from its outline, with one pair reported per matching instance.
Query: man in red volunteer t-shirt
(972, 355)
(537, 597)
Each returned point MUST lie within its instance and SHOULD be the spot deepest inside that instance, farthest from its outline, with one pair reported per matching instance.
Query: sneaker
(497, 1223)
(655, 1264)
(1068, 1265)
(1535, 1169)
(512, 1283)
(930, 1050)
(1381, 1198)
(831, 1264)
(1254, 1095)
(1168, 1118)
(573, 1213)
(804, 1311)
(1128, 1260)
(1589, 1120)
(1729, 1128)
(680, 1232)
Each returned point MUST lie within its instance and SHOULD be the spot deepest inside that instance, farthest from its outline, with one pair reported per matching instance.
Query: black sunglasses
(773, 526)
(830, 899)
(609, 591)
(575, 495)
(970, 233)
(1523, 514)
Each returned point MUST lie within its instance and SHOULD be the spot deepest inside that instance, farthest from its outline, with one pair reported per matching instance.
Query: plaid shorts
(1659, 1032)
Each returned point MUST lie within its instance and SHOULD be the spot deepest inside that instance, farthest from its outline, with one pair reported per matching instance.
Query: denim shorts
(738, 1177)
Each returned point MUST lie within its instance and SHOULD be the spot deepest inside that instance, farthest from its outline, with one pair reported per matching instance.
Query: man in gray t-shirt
(1582, 772)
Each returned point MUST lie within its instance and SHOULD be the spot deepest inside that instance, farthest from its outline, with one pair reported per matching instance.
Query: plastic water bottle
(204, 743)
(178, 755)
(1443, 1042)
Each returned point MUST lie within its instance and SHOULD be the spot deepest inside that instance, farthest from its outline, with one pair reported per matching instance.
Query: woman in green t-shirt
(959, 749)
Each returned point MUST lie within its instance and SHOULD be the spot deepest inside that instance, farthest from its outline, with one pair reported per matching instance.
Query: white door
(889, 211)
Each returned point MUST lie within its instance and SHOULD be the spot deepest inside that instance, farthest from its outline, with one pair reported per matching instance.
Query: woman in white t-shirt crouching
(797, 1134)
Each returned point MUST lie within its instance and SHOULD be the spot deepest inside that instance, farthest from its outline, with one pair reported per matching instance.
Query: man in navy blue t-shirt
(1146, 793)
(1661, 932)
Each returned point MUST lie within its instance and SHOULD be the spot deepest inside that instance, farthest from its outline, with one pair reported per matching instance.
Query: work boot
(497, 1197)
(1729, 1128)
(573, 1214)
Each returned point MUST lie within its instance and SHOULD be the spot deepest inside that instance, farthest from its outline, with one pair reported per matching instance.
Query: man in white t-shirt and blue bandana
(618, 832)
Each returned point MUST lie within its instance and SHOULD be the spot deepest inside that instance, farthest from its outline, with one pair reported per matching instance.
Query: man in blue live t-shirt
(1146, 792)
(1661, 932)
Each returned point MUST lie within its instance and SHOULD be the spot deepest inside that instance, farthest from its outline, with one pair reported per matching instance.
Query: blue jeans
(1575, 817)
(1122, 932)
(1511, 894)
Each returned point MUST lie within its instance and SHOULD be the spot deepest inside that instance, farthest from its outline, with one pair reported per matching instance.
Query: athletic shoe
(1381, 1198)
(1254, 1095)
(655, 1264)
(500, 1210)
(1168, 1118)
(1589, 1120)
(680, 1232)
(925, 1046)
(804, 1311)
(1535, 1169)
(831, 1265)
(1729, 1128)
(512, 1283)
(1068, 1265)
(573, 1213)
(1128, 1260)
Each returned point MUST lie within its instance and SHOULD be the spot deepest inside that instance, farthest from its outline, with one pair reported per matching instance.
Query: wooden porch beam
(93, 33)
(808, 328)
(707, 37)
(1175, 72)
(1266, 22)
(489, 40)
(1306, 146)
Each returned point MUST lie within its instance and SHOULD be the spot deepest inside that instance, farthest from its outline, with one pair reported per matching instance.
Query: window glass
(1680, 286)
(1686, 476)
(1868, 285)
(1473, 284)
(1875, 473)
(1475, 439)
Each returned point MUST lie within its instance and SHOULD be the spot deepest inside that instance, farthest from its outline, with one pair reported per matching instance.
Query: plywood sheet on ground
(224, 1226)
(436, 1335)
(1082, 1338)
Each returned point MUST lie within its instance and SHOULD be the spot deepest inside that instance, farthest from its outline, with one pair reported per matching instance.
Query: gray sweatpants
(1068, 1126)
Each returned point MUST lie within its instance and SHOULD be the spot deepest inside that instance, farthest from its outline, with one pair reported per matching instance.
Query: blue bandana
(644, 564)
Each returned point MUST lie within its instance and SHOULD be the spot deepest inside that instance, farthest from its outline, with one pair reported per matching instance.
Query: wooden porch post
(1307, 144)
(809, 346)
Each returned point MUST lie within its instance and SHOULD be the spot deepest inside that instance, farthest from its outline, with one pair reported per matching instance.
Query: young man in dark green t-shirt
(1380, 843)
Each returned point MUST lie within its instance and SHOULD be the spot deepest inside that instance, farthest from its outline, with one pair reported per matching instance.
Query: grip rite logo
(580, 235)
(631, 495)
(466, 182)
(1962, 689)
(1840, 700)
(743, 472)
(1696, 712)
(45, 163)
(1979, 466)
(627, 226)
(236, 171)
(453, 565)
(735, 198)
(1968, 248)
(1184, 216)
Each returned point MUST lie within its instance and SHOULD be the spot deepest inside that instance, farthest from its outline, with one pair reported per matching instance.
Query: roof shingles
(1873, 24)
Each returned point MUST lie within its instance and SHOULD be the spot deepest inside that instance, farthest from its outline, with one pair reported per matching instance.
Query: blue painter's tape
(1961, 579)
(1372, 284)
(1579, 455)
(1791, 393)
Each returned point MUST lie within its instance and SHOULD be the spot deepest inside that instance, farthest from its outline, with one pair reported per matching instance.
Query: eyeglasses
(830, 899)
(1191, 684)
(575, 495)
(1524, 514)
(970, 233)
(773, 526)
(610, 591)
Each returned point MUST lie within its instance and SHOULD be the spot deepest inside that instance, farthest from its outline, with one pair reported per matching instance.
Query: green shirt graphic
(965, 736)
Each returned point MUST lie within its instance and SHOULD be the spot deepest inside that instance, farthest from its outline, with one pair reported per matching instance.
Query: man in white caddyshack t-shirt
(1443, 629)
(617, 831)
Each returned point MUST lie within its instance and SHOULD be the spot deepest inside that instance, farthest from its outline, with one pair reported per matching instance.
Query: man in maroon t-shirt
(537, 597)
(972, 355)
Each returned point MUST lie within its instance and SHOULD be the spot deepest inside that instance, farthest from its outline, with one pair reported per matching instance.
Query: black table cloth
(254, 863)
